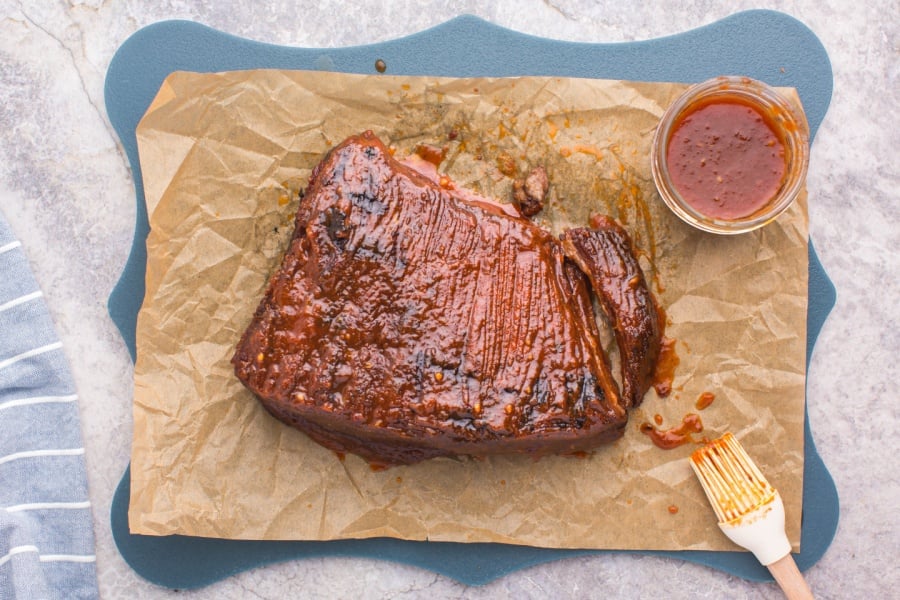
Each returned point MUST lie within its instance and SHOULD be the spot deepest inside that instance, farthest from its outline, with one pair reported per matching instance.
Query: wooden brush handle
(790, 579)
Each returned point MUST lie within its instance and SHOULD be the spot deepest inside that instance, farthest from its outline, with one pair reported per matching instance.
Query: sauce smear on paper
(665, 367)
(704, 401)
(676, 436)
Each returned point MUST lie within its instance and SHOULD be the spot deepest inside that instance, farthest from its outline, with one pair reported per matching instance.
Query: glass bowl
(729, 104)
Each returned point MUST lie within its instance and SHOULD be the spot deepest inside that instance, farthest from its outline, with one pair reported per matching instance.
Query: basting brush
(749, 509)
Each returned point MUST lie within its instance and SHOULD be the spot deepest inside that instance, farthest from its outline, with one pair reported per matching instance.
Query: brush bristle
(732, 482)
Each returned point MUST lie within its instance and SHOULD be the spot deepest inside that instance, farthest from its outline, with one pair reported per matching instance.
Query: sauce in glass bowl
(730, 155)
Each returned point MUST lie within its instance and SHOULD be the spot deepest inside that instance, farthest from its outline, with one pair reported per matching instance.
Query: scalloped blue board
(761, 44)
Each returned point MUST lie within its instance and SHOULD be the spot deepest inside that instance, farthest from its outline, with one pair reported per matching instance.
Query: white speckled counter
(66, 190)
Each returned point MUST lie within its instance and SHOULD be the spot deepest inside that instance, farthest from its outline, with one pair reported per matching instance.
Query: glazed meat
(605, 252)
(410, 320)
(529, 193)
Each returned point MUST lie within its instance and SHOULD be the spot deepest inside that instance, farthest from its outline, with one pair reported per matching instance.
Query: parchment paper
(223, 157)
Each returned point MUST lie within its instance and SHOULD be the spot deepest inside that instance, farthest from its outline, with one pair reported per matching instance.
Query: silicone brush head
(733, 483)
(749, 509)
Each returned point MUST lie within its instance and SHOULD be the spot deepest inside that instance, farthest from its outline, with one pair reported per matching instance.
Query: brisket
(605, 253)
(410, 320)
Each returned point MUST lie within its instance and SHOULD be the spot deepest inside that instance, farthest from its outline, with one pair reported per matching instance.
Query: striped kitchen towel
(46, 531)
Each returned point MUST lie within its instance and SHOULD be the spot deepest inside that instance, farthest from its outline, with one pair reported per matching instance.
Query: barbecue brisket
(410, 320)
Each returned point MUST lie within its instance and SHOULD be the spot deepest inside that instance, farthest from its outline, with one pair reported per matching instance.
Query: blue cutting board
(764, 45)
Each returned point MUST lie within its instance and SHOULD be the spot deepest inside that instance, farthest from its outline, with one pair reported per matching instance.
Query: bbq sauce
(676, 436)
(431, 154)
(726, 159)
(664, 373)
(705, 400)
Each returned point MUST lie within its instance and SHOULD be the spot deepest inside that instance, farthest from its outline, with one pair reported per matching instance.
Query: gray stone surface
(65, 188)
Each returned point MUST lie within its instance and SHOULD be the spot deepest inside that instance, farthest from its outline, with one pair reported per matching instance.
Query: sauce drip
(705, 399)
(380, 66)
(577, 454)
(725, 159)
(431, 154)
(676, 436)
(665, 367)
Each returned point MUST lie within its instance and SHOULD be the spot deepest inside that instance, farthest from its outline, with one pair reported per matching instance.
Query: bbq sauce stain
(676, 436)
(666, 364)
(432, 154)
(380, 66)
(705, 399)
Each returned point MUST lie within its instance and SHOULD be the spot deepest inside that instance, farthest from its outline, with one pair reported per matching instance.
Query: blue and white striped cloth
(46, 531)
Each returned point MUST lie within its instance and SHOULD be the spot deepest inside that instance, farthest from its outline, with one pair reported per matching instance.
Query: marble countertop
(67, 192)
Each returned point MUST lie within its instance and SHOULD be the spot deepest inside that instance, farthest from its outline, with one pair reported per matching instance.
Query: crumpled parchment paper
(223, 157)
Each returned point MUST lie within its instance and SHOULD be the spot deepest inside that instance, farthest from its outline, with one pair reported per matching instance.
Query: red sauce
(431, 154)
(673, 510)
(577, 454)
(676, 436)
(665, 367)
(705, 399)
(725, 159)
